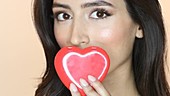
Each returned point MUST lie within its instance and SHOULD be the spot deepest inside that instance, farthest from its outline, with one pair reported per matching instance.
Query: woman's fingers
(97, 85)
(74, 90)
(93, 88)
(88, 90)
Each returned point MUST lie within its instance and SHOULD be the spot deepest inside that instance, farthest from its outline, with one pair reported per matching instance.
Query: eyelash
(56, 15)
(102, 10)
(105, 12)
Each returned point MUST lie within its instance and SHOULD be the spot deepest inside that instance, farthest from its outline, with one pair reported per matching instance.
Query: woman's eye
(100, 14)
(62, 16)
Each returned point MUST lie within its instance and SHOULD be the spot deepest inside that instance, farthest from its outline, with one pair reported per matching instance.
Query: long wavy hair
(148, 54)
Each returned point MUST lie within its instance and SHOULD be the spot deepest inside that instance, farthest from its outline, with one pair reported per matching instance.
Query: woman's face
(102, 23)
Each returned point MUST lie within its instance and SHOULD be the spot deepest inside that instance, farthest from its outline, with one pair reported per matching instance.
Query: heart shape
(73, 63)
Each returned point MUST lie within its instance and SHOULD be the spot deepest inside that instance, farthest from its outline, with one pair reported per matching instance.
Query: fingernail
(73, 88)
(91, 78)
(83, 82)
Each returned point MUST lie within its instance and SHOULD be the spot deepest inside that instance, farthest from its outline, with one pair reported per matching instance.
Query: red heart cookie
(73, 63)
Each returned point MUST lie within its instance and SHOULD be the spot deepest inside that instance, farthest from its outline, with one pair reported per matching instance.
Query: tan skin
(103, 23)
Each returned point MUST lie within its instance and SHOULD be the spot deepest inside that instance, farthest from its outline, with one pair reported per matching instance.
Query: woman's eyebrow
(89, 4)
(97, 3)
(60, 5)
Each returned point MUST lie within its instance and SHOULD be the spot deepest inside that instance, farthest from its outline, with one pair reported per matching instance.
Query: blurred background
(22, 60)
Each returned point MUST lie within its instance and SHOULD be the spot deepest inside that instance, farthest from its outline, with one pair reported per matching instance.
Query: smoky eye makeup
(100, 13)
(62, 16)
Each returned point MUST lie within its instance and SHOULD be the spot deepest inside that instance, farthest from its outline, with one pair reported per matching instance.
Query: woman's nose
(79, 35)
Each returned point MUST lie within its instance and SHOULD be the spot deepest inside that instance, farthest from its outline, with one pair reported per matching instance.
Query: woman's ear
(139, 33)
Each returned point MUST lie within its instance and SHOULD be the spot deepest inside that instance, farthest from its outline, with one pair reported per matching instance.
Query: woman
(130, 31)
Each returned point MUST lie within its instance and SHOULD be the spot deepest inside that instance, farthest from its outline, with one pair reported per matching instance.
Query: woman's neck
(120, 82)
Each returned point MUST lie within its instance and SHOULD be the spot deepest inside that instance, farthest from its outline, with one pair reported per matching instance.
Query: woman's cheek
(61, 33)
(60, 39)
(108, 36)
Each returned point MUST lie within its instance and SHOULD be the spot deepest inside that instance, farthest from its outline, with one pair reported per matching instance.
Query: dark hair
(148, 54)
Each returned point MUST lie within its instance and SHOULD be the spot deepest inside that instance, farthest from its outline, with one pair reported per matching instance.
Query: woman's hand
(93, 88)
